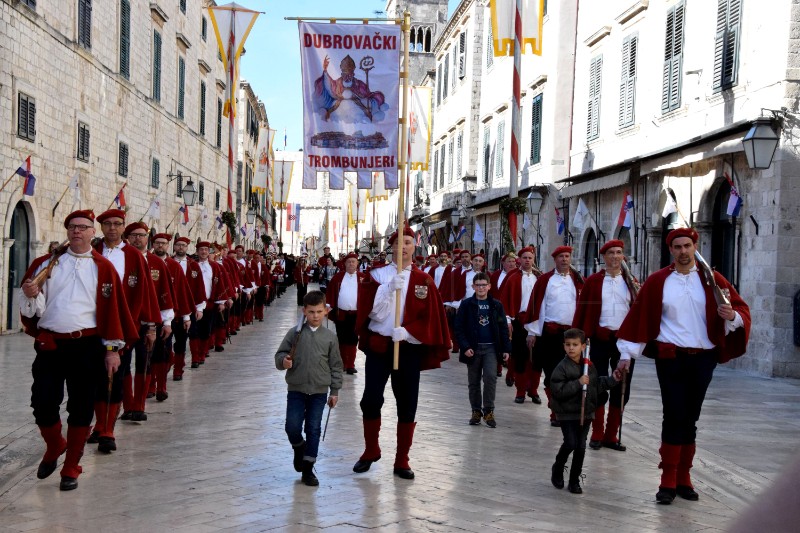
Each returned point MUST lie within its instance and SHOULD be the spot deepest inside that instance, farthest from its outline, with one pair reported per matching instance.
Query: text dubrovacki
(359, 42)
(335, 161)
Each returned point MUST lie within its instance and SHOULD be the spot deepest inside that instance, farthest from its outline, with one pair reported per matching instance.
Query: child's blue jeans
(306, 408)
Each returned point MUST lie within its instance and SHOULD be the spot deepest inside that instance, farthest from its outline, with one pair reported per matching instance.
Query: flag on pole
(154, 211)
(478, 236)
(185, 210)
(292, 217)
(626, 211)
(205, 219)
(30, 180)
(243, 230)
(581, 215)
(431, 235)
(559, 222)
(669, 207)
(503, 14)
(120, 198)
(461, 232)
(74, 186)
(735, 201)
(220, 223)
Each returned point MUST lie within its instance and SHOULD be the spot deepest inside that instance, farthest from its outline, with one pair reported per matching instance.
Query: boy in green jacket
(313, 367)
(567, 384)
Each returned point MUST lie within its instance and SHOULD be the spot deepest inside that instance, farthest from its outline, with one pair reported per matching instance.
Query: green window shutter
(536, 129)
(155, 177)
(85, 23)
(499, 149)
(156, 66)
(673, 58)
(181, 86)
(202, 108)
(627, 88)
(436, 170)
(487, 153)
(726, 45)
(219, 122)
(123, 160)
(489, 47)
(593, 116)
(125, 38)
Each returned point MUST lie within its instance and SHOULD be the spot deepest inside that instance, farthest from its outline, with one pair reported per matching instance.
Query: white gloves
(400, 334)
(397, 282)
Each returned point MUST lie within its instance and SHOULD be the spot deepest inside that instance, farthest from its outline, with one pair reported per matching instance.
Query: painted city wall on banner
(351, 80)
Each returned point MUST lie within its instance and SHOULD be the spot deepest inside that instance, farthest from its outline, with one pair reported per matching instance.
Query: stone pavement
(214, 456)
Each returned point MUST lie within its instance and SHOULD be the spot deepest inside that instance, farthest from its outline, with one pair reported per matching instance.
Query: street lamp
(535, 199)
(760, 143)
(188, 192)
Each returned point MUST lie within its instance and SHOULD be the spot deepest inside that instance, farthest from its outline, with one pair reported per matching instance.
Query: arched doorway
(18, 260)
(624, 235)
(668, 223)
(589, 253)
(723, 235)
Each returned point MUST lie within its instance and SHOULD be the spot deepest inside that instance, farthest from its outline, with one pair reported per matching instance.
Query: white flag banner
(205, 219)
(154, 211)
(478, 234)
(358, 205)
(74, 186)
(419, 132)
(503, 13)
(261, 177)
(669, 207)
(378, 191)
(582, 215)
(281, 183)
(351, 85)
(526, 221)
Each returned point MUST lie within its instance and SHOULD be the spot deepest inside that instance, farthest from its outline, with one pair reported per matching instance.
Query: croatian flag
(220, 223)
(243, 230)
(419, 238)
(461, 231)
(30, 180)
(292, 217)
(120, 198)
(185, 210)
(625, 217)
(559, 222)
(735, 201)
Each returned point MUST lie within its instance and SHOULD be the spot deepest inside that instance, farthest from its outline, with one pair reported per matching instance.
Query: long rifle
(708, 274)
(577, 273)
(41, 278)
(630, 281)
(622, 404)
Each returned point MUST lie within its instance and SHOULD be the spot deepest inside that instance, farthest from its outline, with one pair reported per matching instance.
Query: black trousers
(80, 363)
(177, 341)
(143, 364)
(125, 357)
(684, 381)
(405, 382)
(547, 353)
(201, 329)
(574, 434)
(604, 355)
(346, 328)
(302, 290)
(261, 296)
(519, 347)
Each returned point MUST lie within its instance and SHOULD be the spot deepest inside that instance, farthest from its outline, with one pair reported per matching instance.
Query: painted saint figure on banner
(348, 99)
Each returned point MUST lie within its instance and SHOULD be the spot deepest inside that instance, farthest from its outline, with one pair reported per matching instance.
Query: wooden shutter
(486, 153)
(536, 129)
(441, 167)
(451, 167)
(26, 117)
(489, 46)
(462, 54)
(216, 199)
(499, 149)
(85, 23)
(672, 74)
(183, 6)
(439, 84)
(201, 193)
(593, 116)
(123, 160)
(155, 177)
(459, 153)
(156, 66)
(726, 45)
(445, 75)
(627, 88)
(125, 38)
(83, 141)
(435, 170)
(202, 108)
(204, 29)
(219, 122)
(181, 86)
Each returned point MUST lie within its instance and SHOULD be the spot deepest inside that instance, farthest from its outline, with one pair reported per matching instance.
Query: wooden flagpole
(401, 196)
(59, 200)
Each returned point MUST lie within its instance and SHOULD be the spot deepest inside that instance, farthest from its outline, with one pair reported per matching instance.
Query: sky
(272, 62)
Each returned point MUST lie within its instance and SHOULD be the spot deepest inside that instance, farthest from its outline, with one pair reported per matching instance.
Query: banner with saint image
(351, 88)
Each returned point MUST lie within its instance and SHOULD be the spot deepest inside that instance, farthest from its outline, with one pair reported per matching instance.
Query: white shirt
(683, 316)
(184, 263)
(437, 275)
(500, 278)
(348, 293)
(558, 304)
(528, 281)
(616, 302)
(470, 274)
(383, 309)
(117, 258)
(68, 300)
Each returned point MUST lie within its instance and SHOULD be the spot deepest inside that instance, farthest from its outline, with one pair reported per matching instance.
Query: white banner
(281, 182)
(419, 133)
(263, 163)
(358, 205)
(351, 85)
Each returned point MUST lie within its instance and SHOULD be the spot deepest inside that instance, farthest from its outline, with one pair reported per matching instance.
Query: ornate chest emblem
(155, 274)
(132, 280)
(194, 273)
(421, 291)
(216, 279)
(105, 290)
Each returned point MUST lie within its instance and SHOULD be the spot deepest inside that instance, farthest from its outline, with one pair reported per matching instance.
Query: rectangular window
(156, 66)
(459, 153)
(201, 193)
(487, 154)
(536, 129)
(202, 108)
(183, 6)
(155, 173)
(204, 29)
(673, 59)
(83, 142)
(627, 87)
(181, 86)
(439, 84)
(445, 85)
(726, 46)
(436, 170)
(455, 66)
(450, 165)
(489, 47)
(499, 149)
(122, 164)
(30, 3)
(593, 117)
(219, 122)
(462, 55)
(216, 200)
(125, 38)
(441, 167)
(26, 117)
(85, 23)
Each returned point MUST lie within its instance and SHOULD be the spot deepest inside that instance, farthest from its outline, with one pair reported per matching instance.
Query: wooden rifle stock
(708, 274)
(577, 273)
(629, 280)
(44, 274)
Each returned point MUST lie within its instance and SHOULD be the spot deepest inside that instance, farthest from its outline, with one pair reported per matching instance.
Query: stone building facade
(118, 92)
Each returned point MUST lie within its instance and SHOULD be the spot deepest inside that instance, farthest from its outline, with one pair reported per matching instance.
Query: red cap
(184, 240)
(201, 244)
(111, 213)
(351, 255)
(239, 246)
(134, 226)
(407, 231)
(561, 250)
(462, 252)
(166, 236)
(419, 258)
(85, 213)
(527, 249)
(613, 243)
(456, 251)
(682, 232)
(233, 251)
(479, 255)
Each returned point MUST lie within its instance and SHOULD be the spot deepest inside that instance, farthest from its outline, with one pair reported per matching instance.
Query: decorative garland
(517, 206)
(229, 219)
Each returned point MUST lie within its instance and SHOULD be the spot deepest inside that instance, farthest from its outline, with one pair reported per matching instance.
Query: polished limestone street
(214, 456)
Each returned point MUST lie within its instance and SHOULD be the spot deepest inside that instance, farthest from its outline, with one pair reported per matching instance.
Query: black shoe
(557, 477)
(354, 371)
(93, 438)
(536, 399)
(489, 418)
(233, 333)
(665, 495)
(509, 381)
(45, 469)
(614, 446)
(138, 416)
(177, 378)
(126, 415)
(555, 423)
(351, 371)
(107, 445)
(161, 396)
(575, 487)
(308, 474)
(151, 395)
(519, 399)
(362, 465)
(687, 493)
(299, 452)
(404, 473)
(219, 349)
(595, 444)
(500, 374)
(202, 362)
(68, 483)
(195, 365)
(475, 419)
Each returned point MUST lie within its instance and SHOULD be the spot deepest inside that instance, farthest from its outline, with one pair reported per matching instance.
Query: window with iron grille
(204, 29)
(85, 23)
(30, 3)
(201, 193)
(26, 117)
(593, 115)
(216, 200)
(83, 141)
(462, 54)
(202, 108)
(183, 6)
(459, 153)
(181, 86)
(627, 87)
(499, 149)
(726, 45)
(219, 122)
(436, 170)
(487, 154)
(156, 66)
(489, 47)
(536, 129)
(122, 164)
(155, 173)
(125, 38)
(673, 59)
